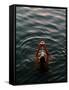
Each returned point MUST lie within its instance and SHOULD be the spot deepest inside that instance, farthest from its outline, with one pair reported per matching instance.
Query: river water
(32, 25)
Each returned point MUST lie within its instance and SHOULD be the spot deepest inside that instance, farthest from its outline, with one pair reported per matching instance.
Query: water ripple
(32, 25)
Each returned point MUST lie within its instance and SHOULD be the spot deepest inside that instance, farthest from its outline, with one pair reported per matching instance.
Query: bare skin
(38, 54)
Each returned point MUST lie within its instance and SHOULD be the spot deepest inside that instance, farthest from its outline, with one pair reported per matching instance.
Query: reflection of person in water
(42, 56)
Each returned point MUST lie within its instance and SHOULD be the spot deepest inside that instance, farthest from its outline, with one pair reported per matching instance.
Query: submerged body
(42, 56)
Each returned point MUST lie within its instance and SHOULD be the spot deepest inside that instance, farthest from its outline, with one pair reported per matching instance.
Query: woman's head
(42, 60)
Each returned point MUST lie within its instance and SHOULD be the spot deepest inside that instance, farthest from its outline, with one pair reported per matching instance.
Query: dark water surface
(32, 25)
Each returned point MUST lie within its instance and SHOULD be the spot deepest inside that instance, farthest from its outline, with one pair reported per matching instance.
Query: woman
(42, 56)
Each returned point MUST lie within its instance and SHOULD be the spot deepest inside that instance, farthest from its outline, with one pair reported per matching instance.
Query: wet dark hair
(42, 60)
(42, 64)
